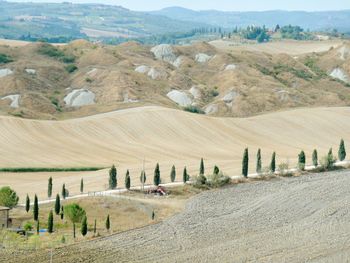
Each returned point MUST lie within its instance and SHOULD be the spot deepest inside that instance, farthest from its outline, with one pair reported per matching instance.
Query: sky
(226, 5)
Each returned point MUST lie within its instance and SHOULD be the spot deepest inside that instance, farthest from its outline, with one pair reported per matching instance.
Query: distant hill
(61, 22)
(308, 20)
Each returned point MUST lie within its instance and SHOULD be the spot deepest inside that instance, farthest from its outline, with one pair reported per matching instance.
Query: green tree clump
(258, 162)
(50, 223)
(127, 180)
(301, 161)
(173, 174)
(36, 208)
(113, 177)
(8, 197)
(84, 227)
(156, 178)
(341, 151)
(49, 188)
(201, 167)
(75, 213)
(27, 203)
(315, 158)
(245, 163)
(57, 204)
(273, 163)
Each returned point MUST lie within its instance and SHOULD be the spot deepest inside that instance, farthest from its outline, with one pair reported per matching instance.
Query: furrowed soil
(298, 219)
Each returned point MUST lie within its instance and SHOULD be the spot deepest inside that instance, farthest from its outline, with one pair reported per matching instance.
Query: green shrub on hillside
(194, 109)
(71, 68)
(5, 58)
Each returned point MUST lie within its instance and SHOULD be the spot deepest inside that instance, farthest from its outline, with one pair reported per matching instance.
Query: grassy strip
(45, 169)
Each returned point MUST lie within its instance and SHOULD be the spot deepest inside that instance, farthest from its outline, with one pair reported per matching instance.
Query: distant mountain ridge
(321, 20)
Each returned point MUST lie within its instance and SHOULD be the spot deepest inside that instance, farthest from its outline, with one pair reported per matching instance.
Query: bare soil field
(298, 219)
(288, 47)
(156, 134)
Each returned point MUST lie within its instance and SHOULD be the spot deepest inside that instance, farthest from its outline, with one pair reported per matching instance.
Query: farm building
(4, 217)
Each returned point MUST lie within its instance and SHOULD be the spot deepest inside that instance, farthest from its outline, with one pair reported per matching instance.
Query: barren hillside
(79, 79)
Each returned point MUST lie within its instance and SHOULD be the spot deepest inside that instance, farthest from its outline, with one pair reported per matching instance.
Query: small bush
(71, 68)
(50, 51)
(217, 180)
(327, 162)
(200, 181)
(5, 59)
(194, 109)
(68, 59)
(283, 169)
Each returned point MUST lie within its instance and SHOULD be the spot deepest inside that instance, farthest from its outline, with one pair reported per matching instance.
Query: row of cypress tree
(301, 159)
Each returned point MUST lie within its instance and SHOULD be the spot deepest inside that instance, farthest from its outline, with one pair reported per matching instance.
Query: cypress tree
(156, 178)
(62, 213)
(185, 176)
(57, 204)
(245, 163)
(127, 180)
(64, 192)
(301, 160)
(27, 203)
(49, 188)
(95, 227)
(341, 151)
(36, 208)
(258, 161)
(108, 223)
(82, 185)
(84, 227)
(173, 174)
(315, 158)
(201, 167)
(37, 227)
(143, 177)
(50, 223)
(216, 170)
(113, 177)
(273, 163)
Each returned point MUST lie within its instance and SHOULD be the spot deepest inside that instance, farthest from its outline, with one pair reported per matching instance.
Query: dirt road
(300, 219)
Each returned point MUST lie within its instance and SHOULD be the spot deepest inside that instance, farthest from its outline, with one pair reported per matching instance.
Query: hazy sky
(228, 5)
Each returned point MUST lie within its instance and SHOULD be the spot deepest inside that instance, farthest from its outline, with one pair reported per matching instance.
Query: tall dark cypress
(84, 227)
(245, 163)
(62, 213)
(258, 162)
(108, 223)
(315, 158)
(95, 227)
(185, 176)
(201, 167)
(36, 208)
(37, 227)
(113, 177)
(173, 174)
(64, 192)
(216, 170)
(156, 178)
(50, 223)
(82, 185)
(27, 203)
(57, 204)
(341, 151)
(49, 188)
(273, 163)
(127, 180)
(301, 160)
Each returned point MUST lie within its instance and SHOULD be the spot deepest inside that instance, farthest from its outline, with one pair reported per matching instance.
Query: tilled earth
(299, 219)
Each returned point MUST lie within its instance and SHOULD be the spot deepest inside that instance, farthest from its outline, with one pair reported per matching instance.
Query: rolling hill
(82, 78)
(309, 20)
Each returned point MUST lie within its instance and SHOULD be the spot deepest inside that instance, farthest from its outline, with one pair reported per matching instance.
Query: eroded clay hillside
(43, 81)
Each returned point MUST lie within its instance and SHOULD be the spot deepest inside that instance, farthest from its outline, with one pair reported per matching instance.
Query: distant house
(4, 217)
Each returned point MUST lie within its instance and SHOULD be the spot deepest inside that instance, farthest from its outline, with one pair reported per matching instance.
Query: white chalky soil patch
(14, 100)
(5, 72)
(79, 97)
(180, 97)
